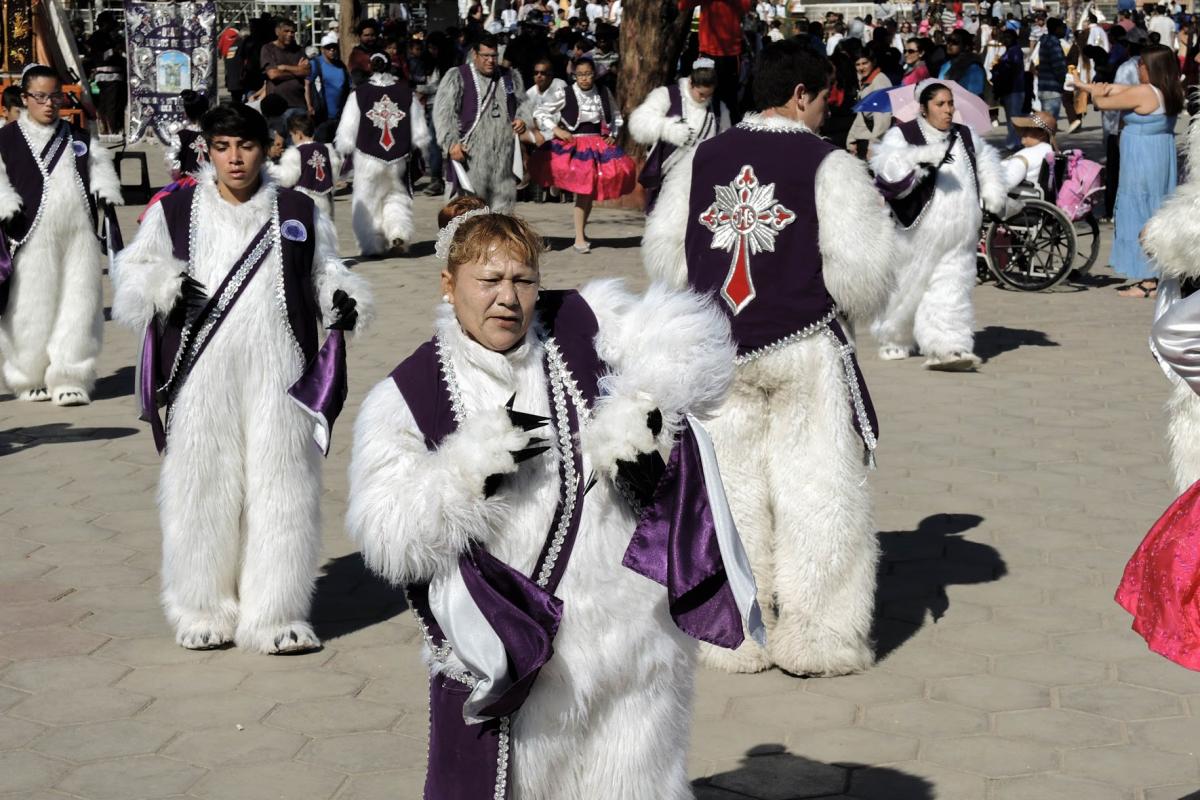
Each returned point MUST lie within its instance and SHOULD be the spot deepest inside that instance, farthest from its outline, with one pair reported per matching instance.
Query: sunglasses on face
(911, 52)
(541, 72)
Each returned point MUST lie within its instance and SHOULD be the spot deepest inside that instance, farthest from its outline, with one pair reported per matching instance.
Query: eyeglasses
(914, 52)
(541, 72)
(41, 98)
(488, 56)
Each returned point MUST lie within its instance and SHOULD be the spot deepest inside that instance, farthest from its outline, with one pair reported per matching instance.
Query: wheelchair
(1038, 246)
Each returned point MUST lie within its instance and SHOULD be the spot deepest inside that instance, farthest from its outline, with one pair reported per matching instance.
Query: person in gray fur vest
(478, 115)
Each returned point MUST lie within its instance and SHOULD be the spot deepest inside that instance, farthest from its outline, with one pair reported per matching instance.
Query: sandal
(1146, 287)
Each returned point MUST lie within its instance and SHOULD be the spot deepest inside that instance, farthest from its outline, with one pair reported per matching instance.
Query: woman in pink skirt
(584, 158)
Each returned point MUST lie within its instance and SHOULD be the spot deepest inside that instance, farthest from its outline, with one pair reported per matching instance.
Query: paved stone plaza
(1008, 502)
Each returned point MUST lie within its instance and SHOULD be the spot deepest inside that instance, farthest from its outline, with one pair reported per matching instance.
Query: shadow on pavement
(556, 243)
(119, 384)
(997, 339)
(350, 597)
(915, 567)
(769, 771)
(16, 440)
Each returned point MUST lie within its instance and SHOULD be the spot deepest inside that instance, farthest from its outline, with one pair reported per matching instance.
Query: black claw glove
(533, 448)
(193, 296)
(346, 309)
(637, 480)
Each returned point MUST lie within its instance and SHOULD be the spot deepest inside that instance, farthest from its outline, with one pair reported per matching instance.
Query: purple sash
(910, 196)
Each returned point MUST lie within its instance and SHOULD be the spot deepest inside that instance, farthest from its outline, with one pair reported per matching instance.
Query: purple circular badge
(293, 230)
(79, 147)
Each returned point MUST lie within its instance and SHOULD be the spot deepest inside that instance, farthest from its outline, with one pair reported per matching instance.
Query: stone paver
(1007, 504)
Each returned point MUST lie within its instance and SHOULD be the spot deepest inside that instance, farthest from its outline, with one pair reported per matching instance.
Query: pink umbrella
(969, 109)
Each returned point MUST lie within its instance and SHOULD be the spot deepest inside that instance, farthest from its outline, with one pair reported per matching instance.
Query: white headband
(703, 63)
(446, 235)
(29, 67)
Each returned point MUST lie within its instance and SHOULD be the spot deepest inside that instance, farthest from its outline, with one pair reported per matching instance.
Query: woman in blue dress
(1148, 158)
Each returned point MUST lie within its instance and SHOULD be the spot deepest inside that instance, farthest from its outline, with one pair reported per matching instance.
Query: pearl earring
(446, 298)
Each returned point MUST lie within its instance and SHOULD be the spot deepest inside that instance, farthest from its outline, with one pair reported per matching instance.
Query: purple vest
(28, 180)
(469, 113)
(316, 169)
(300, 298)
(384, 129)
(193, 151)
(752, 232)
(653, 171)
(570, 113)
(909, 209)
(470, 762)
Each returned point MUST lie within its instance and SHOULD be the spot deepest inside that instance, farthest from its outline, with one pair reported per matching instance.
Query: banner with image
(171, 47)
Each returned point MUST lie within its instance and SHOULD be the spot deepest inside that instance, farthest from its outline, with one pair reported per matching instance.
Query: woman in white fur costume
(382, 124)
(1171, 240)
(936, 173)
(790, 236)
(228, 279)
(673, 120)
(51, 176)
(491, 471)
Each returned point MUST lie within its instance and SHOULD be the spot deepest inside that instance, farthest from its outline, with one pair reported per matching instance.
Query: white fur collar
(685, 92)
(257, 205)
(774, 123)
(382, 79)
(34, 130)
(932, 135)
(498, 365)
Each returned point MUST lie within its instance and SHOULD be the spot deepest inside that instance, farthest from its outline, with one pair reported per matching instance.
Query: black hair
(487, 40)
(704, 77)
(273, 105)
(961, 39)
(240, 121)
(584, 60)
(302, 123)
(868, 54)
(781, 66)
(1009, 37)
(12, 98)
(366, 23)
(38, 71)
(929, 91)
(1056, 27)
(194, 104)
(284, 22)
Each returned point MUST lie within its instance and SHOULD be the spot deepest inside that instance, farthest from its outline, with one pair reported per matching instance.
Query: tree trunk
(652, 36)
(346, 23)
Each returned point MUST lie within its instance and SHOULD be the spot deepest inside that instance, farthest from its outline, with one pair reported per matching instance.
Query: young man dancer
(232, 279)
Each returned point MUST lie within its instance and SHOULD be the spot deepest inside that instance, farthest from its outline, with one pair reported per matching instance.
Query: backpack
(1075, 182)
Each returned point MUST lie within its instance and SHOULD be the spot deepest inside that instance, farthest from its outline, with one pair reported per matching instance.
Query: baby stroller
(1054, 232)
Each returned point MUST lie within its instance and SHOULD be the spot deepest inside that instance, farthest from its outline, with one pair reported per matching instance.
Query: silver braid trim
(803, 333)
(560, 380)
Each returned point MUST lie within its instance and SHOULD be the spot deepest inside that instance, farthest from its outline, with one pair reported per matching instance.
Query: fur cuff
(10, 201)
(106, 184)
(927, 155)
(481, 447)
(618, 432)
(142, 290)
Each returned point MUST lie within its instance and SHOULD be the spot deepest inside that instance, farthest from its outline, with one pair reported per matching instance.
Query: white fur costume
(1172, 240)
(241, 478)
(609, 714)
(50, 334)
(931, 307)
(287, 173)
(662, 241)
(381, 206)
(792, 461)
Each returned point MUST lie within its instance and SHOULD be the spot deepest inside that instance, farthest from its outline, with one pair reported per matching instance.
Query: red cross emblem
(385, 115)
(200, 148)
(745, 220)
(317, 162)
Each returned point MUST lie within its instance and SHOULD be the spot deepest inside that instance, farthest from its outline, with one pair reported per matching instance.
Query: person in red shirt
(226, 40)
(721, 40)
